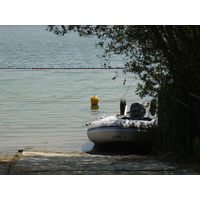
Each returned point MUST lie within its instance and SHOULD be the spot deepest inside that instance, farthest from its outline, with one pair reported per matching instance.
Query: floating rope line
(61, 67)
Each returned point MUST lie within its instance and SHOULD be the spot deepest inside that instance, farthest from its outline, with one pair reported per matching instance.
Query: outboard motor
(122, 106)
(137, 111)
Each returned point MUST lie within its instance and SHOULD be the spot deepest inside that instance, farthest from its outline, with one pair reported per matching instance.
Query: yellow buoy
(94, 100)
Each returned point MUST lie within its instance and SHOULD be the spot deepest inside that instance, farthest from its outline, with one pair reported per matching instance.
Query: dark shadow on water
(121, 149)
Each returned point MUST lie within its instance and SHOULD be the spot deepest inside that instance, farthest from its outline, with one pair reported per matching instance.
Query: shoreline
(43, 162)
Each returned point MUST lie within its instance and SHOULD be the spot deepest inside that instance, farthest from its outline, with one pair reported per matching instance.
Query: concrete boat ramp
(39, 162)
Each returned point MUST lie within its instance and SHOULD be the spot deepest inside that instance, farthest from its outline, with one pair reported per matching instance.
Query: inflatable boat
(134, 128)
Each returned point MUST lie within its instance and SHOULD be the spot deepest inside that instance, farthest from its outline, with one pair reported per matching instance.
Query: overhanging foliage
(160, 55)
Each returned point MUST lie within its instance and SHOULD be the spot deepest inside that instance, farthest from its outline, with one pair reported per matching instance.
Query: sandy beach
(41, 162)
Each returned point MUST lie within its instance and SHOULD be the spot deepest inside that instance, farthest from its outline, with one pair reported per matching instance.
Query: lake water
(46, 108)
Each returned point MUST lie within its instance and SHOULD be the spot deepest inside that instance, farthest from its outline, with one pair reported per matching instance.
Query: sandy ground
(8, 163)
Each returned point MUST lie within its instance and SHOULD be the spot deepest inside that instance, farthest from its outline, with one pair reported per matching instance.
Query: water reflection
(94, 109)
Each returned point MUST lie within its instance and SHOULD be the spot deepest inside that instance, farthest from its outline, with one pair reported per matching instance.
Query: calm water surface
(45, 109)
